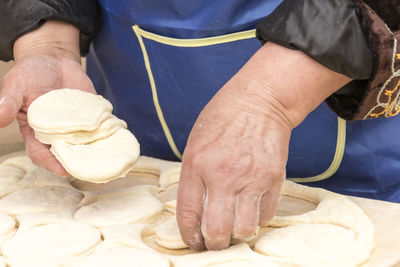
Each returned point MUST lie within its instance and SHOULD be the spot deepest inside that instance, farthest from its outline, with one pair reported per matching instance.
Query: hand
(234, 162)
(41, 64)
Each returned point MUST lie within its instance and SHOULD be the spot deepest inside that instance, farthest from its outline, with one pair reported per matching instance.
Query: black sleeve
(350, 37)
(18, 17)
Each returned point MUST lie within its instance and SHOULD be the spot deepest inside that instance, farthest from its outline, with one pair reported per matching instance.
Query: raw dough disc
(120, 210)
(122, 257)
(7, 224)
(40, 199)
(168, 235)
(234, 256)
(42, 177)
(52, 241)
(106, 128)
(22, 162)
(129, 235)
(67, 110)
(10, 175)
(308, 244)
(100, 161)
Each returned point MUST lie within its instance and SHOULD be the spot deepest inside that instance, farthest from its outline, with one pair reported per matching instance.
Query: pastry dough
(234, 256)
(121, 209)
(67, 110)
(40, 199)
(100, 161)
(332, 210)
(106, 128)
(122, 257)
(52, 241)
(22, 162)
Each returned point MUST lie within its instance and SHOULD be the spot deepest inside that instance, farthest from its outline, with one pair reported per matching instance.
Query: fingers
(269, 205)
(190, 209)
(40, 153)
(247, 214)
(217, 220)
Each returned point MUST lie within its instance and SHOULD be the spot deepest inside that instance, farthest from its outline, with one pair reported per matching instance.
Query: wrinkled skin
(234, 162)
(28, 79)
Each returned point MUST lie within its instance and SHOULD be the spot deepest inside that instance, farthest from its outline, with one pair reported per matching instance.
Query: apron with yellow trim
(160, 62)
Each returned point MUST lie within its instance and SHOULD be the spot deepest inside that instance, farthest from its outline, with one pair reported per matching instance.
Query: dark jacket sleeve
(18, 17)
(357, 38)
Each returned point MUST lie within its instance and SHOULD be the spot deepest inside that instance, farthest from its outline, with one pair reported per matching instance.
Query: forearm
(54, 38)
(286, 83)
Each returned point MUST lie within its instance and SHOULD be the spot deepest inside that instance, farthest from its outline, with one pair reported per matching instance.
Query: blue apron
(160, 62)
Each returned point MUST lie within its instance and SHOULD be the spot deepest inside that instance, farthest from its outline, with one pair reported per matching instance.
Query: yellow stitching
(389, 105)
(155, 96)
(197, 42)
(398, 56)
(341, 136)
(337, 159)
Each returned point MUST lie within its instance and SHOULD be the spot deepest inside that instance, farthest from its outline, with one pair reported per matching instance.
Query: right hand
(41, 66)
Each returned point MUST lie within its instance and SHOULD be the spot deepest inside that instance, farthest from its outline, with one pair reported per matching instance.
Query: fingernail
(2, 100)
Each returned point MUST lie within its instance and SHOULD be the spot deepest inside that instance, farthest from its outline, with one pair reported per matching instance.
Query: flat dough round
(10, 175)
(106, 128)
(308, 244)
(52, 241)
(100, 161)
(237, 255)
(122, 257)
(22, 162)
(67, 110)
(168, 235)
(7, 224)
(120, 210)
(42, 177)
(40, 199)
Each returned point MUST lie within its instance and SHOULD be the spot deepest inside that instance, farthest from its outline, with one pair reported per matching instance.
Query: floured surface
(129, 232)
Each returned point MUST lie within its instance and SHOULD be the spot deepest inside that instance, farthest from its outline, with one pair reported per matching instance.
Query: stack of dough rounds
(91, 143)
(50, 221)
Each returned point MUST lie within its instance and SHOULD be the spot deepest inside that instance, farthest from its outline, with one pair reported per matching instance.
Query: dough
(29, 220)
(52, 241)
(121, 209)
(22, 162)
(42, 177)
(9, 175)
(333, 210)
(68, 110)
(168, 235)
(237, 255)
(100, 161)
(7, 225)
(106, 128)
(129, 235)
(308, 244)
(122, 257)
(40, 199)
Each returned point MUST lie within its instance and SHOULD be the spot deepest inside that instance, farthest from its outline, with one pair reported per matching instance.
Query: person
(190, 76)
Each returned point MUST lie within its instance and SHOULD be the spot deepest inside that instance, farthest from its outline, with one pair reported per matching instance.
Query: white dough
(67, 110)
(120, 210)
(308, 244)
(237, 255)
(332, 209)
(168, 235)
(22, 162)
(7, 224)
(52, 241)
(106, 128)
(100, 161)
(40, 199)
(121, 256)
(9, 175)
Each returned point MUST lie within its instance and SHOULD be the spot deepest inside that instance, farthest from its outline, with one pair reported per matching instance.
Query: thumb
(10, 102)
(9, 108)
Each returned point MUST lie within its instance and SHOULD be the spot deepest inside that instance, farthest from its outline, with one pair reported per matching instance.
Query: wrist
(53, 38)
(285, 84)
